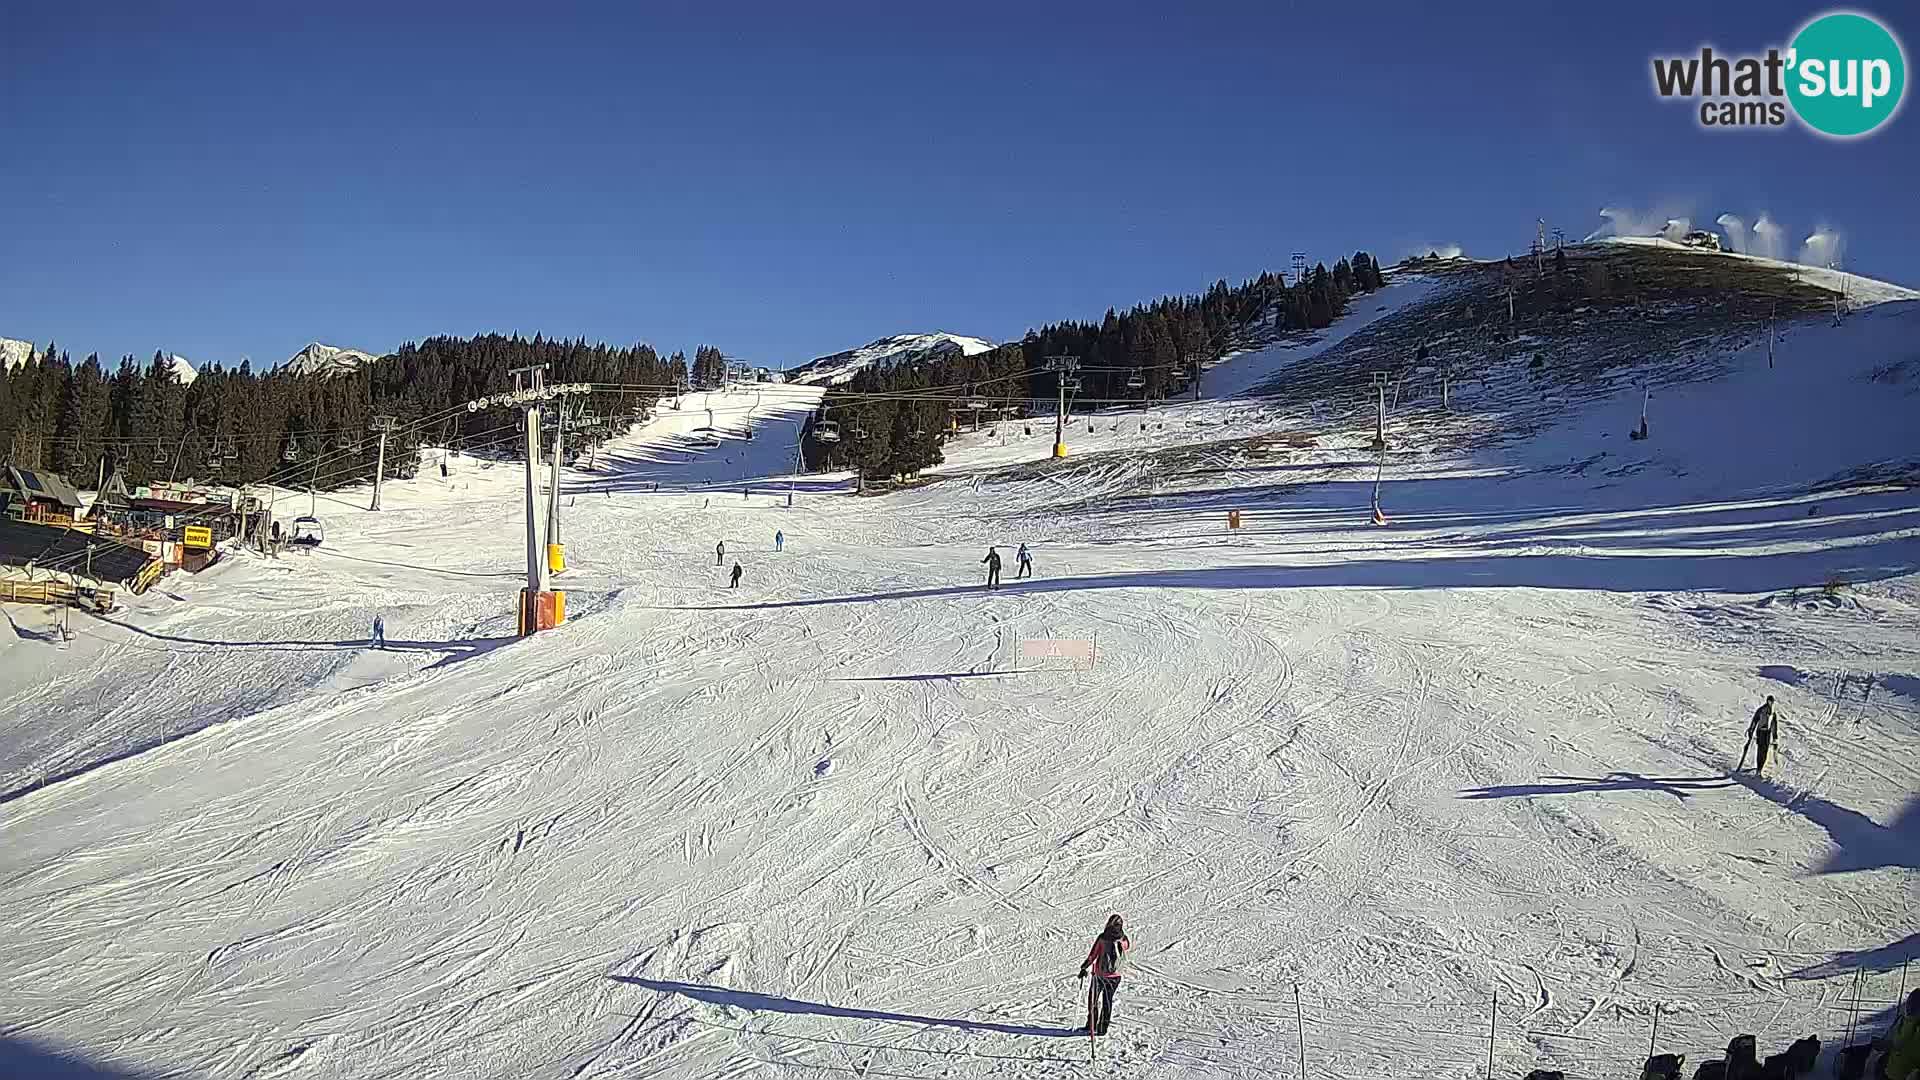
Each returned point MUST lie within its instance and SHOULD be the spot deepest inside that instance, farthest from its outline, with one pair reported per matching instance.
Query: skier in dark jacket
(992, 562)
(1025, 559)
(733, 581)
(720, 553)
(1764, 731)
(1108, 959)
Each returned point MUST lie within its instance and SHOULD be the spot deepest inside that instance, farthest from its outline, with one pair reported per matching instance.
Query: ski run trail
(1366, 796)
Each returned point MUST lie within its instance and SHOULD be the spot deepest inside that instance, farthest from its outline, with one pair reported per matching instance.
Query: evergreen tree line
(709, 367)
(891, 420)
(237, 426)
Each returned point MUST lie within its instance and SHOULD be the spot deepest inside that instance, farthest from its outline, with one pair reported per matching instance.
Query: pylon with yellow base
(1059, 449)
(541, 610)
(556, 558)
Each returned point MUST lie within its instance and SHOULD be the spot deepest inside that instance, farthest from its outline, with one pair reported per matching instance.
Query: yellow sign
(197, 536)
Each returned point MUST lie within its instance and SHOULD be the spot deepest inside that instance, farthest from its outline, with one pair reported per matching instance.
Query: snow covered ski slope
(1467, 773)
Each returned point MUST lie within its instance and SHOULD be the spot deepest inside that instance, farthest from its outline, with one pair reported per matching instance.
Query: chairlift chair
(827, 431)
(1136, 381)
(160, 455)
(859, 433)
(307, 532)
(291, 453)
(1071, 384)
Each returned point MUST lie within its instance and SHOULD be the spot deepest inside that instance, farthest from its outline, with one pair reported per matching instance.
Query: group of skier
(992, 563)
(733, 576)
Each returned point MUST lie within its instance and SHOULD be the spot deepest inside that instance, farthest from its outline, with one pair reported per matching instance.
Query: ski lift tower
(383, 426)
(1299, 268)
(1063, 367)
(540, 607)
(1380, 417)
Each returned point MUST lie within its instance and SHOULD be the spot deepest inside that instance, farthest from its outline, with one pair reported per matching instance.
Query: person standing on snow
(1903, 1042)
(379, 639)
(779, 540)
(1108, 959)
(1763, 732)
(733, 581)
(1025, 558)
(720, 553)
(992, 562)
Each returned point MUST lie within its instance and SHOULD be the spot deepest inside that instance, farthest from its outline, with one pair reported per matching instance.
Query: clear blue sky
(783, 180)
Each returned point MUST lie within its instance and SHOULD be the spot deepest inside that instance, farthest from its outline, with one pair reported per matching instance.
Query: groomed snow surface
(831, 822)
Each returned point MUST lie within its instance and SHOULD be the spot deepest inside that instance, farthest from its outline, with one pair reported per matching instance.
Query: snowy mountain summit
(13, 352)
(888, 351)
(329, 361)
(182, 369)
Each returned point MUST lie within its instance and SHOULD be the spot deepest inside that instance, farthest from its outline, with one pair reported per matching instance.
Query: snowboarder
(1763, 732)
(720, 553)
(1026, 562)
(379, 639)
(992, 562)
(733, 579)
(1108, 959)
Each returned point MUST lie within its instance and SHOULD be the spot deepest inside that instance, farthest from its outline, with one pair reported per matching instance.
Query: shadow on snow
(752, 1002)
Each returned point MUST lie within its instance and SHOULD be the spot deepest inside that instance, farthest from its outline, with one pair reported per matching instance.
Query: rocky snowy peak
(898, 349)
(14, 352)
(182, 369)
(326, 360)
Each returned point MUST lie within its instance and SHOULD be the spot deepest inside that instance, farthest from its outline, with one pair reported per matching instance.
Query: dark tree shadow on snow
(1862, 843)
(1883, 959)
(752, 1002)
(1680, 787)
(455, 650)
(30, 1061)
(1605, 573)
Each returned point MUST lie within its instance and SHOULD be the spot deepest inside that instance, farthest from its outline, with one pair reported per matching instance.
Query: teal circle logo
(1847, 74)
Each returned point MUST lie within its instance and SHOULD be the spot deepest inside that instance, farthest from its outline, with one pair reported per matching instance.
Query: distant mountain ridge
(15, 352)
(837, 368)
(326, 361)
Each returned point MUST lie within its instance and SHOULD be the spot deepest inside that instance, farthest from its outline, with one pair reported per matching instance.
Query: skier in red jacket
(1108, 959)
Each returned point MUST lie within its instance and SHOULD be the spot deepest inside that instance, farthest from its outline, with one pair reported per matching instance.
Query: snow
(326, 360)
(841, 367)
(1226, 408)
(182, 369)
(822, 824)
(14, 353)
